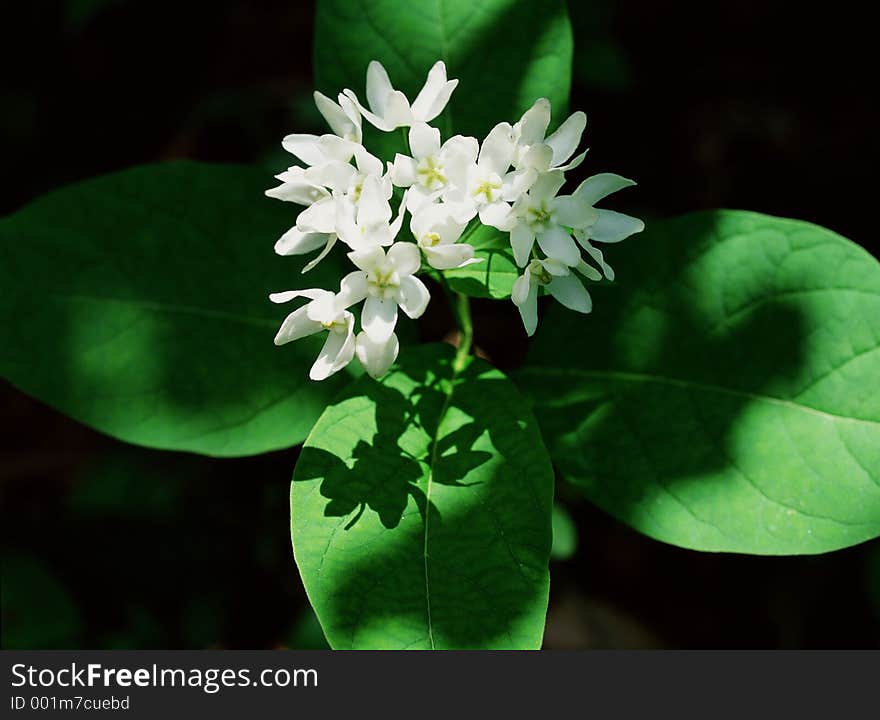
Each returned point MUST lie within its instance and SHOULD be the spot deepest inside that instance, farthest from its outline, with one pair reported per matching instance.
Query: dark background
(768, 106)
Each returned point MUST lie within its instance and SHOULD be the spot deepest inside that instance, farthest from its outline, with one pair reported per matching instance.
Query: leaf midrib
(171, 309)
(692, 385)
(435, 441)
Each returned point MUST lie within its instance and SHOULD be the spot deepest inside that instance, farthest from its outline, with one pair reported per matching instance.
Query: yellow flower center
(487, 189)
(430, 174)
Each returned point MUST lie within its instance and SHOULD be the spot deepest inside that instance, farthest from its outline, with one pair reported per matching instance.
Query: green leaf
(505, 53)
(137, 303)
(492, 278)
(564, 534)
(421, 511)
(724, 393)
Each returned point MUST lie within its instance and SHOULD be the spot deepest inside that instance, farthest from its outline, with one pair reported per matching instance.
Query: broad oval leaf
(725, 393)
(137, 303)
(505, 53)
(421, 511)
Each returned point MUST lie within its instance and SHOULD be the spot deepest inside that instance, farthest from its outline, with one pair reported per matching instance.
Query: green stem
(461, 308)
(403, 131)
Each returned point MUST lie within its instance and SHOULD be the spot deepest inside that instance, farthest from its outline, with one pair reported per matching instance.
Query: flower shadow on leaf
(669, 408)
(462, 564)
(384, 472)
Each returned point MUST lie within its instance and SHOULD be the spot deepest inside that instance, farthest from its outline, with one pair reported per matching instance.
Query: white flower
(321, 187)
(386, 281)
(323, 312)
(535, 152)
(437, 232)
(540, 214)
(343, 117)
(431, 166)
(339, 178)
(367, 224)
(391, 108)
(560, 282)
(482, 187)
(376, 357)
(608, 226)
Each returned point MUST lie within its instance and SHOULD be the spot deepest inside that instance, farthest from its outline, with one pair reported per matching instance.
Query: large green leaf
(725, 393)
(137, 303)
(421, 511)
(506, 53)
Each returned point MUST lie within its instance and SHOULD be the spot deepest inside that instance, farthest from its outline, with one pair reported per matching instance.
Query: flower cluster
(510, 181)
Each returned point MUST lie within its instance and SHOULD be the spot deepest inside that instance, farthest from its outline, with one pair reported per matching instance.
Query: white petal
(528, 310)
(424, 140)
(397, 110)
(323, 309)
(337, 352)
(339, 122)
(331, 241)
(428, 94)
(573, 212)
(373, 209)
(405, 257)
(460, 148)
(297, 242)
(522, 239)
(613, 227)
(534, 122)
(547, 185)
(352, 289)
(414, 296)
(372, 118)
(288, 295)
(447, 257)
(403, 171)
(570, 292)
(554, 266)
(299, 191)
(378, 87)
(367, 259)
(354, 115)
(538, 157)
(557, 243)
(576, 162)
(306, 147)
(497, 214)
(519, 293)
(593, 189)
(379, 318)
(497, 150)
(417, 198)
(295, 326)
(439, 103)
(336, 175)
(567, 137)
(463, 211)
(431, 218)
(320, 217)
(518, 182)
(589, 272)
(377, 357)
(337, 148)
(366, 162)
